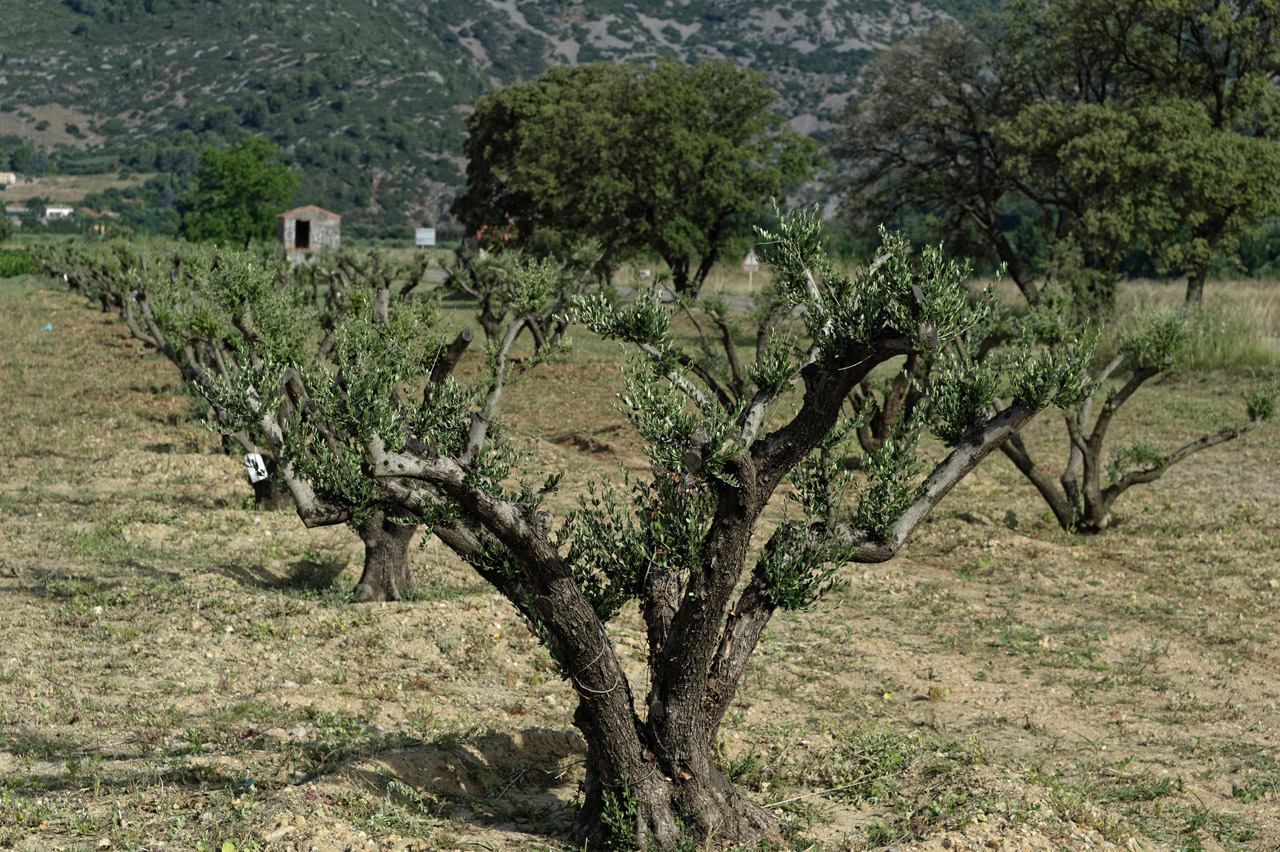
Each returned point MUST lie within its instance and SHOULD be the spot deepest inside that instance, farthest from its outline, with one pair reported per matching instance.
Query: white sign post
(424, 237)
(751, 264)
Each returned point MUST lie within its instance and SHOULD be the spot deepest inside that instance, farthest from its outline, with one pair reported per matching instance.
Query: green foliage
(803, 559)
(922, 299)
(1155, 342)
(775, 369)
(1104, 126)
(1261, 403)
(961, 397)
(643, 321)
(604, 549)
(237, 194)
(891, 486)
(618, 819)
(16, 262)
(670, 159)
(1138, 453)
(1055, 378)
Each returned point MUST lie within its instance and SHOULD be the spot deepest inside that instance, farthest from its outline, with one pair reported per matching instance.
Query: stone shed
(309, 229)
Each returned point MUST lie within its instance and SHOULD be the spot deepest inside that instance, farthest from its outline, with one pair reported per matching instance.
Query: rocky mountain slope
(369, 97)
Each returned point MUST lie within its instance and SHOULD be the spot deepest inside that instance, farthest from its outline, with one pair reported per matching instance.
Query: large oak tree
(672, 158)
(1141, 123)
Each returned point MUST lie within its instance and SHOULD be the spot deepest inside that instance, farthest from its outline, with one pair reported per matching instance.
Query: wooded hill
(369, 99)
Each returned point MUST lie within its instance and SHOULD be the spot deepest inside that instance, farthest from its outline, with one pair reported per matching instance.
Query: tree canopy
(1098, 126)
(672, 158)
(237, 193)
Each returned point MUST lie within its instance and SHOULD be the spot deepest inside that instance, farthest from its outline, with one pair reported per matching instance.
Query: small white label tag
(257, 467)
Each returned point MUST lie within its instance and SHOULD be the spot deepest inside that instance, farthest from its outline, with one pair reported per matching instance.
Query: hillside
(369, 98)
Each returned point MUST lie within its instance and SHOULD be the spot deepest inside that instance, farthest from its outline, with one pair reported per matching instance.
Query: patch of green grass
(19, 814)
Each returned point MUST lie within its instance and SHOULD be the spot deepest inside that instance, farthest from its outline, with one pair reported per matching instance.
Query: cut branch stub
(692, 457)
(381, 306)
(449, 358)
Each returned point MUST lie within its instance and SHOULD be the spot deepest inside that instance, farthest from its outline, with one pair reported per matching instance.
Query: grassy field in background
(67, 189)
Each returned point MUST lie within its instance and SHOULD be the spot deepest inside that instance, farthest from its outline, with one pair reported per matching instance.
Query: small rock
(277, 834)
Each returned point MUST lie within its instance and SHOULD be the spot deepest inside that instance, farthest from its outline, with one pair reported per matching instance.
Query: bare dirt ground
(178, 672)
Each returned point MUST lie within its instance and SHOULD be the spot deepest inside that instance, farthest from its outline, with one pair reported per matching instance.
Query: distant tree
(1117, 123)
(919, 139)
(672, 158)
(20, 158)
(1189, 149)
(237, 193)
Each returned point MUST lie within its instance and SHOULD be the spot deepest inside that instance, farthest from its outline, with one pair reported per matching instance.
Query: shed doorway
(302, 238)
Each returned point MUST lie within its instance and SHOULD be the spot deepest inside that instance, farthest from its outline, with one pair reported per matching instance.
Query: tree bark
(1195, 284)
(668, 801)
(386, 574)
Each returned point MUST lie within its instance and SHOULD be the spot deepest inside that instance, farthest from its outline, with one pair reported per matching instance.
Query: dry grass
(68, 189)
(52, 119)
(178, 674)
(1237, 327)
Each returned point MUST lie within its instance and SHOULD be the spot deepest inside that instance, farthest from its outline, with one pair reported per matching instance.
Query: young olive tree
(1079, 500)
(677, 544)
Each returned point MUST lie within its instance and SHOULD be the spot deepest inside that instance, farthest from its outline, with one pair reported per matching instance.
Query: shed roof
(309, 208)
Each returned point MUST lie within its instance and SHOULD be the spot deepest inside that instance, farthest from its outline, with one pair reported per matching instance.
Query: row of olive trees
(214, 313)
(375, 429)
(379, 432)
(675, 544)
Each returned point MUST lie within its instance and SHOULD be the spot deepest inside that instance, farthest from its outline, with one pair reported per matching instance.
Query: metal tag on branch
(256, 466)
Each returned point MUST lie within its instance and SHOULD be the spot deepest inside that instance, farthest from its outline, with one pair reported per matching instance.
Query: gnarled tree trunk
(386, 574)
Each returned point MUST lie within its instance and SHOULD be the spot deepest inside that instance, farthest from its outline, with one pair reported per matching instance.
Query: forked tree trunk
(659, 812)
(658, 778)
(656, 785)
(386, 574)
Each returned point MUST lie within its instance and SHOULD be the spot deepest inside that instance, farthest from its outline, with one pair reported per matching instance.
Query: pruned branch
(964, 458)
(672, 375)
(1151, 474)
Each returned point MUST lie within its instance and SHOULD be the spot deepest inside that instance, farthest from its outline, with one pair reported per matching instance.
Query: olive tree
(676, 544)
(1095, 476)
(218, 315)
